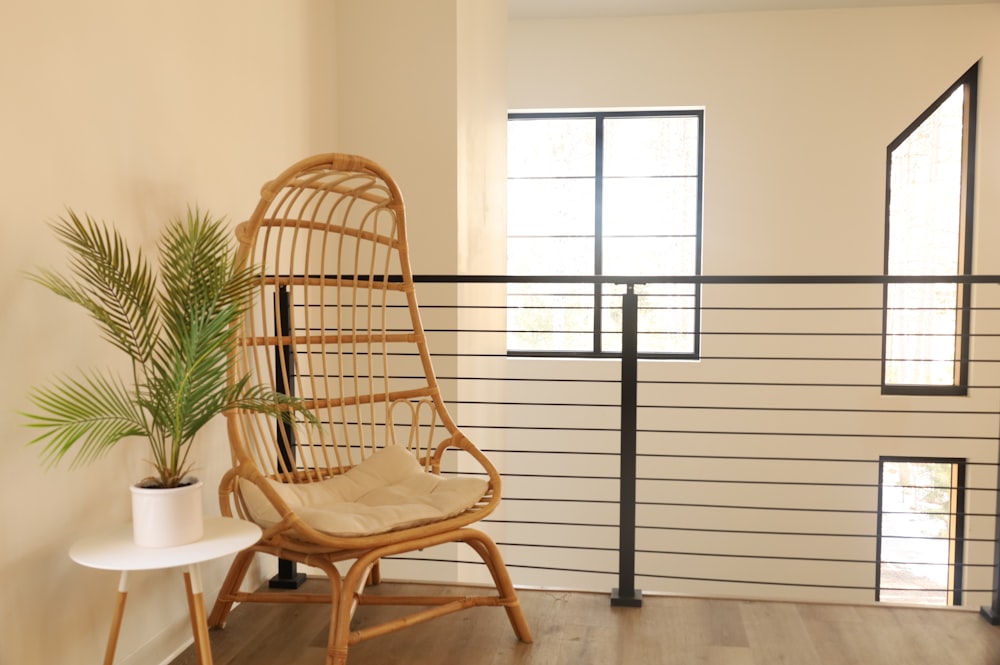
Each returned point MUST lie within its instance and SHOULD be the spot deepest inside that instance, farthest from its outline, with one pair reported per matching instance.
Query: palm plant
(176, 328)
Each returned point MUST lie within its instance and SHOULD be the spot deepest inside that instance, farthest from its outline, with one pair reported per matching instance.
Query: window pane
(927, 235)
(650, 206)
(649, 256)
(547, 317)
(917, 525)
(921, 334)
(611, 317)
(656, 146)
(550, 207)
(666, 322)
(666, 318)
(926, 195)
(546, 147)
(550, 256)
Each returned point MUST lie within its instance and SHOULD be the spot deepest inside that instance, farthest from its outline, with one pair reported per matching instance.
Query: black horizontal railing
(750, 470)
(703, 279)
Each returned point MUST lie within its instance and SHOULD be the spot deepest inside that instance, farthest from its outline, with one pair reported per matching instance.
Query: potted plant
(177, 326)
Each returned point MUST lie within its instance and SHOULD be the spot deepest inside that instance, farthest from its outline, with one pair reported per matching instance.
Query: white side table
(115, 550)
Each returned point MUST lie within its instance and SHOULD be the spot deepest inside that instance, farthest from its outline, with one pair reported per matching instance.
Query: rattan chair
(387, 471)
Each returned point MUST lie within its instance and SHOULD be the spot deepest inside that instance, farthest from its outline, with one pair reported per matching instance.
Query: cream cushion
(388, 491)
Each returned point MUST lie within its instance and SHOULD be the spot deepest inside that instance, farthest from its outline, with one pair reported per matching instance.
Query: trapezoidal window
(929, 202)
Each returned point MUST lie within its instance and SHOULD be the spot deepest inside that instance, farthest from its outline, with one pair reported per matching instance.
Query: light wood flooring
(581, 628)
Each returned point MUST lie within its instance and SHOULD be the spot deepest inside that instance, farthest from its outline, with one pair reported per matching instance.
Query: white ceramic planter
(167, 517)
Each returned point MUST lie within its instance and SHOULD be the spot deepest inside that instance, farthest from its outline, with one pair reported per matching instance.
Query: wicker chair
(336, 322)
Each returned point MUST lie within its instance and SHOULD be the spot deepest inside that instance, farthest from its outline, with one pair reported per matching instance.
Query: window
(608, 194)
(921, 530)
(929, 202)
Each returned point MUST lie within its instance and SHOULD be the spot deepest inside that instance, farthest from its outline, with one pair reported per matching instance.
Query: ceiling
(534, 9)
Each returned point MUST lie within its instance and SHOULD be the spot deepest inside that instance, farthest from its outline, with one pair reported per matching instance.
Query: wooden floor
(580, 628)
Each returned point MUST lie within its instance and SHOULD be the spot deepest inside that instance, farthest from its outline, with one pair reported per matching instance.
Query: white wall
(130, 111)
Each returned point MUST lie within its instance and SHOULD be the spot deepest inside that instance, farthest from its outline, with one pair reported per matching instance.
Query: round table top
(114, 549)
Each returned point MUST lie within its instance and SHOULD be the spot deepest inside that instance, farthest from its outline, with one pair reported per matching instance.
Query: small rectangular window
(929, 196)
(921, 532)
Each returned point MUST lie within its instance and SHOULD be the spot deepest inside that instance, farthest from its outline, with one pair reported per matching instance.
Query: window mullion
(598, 230)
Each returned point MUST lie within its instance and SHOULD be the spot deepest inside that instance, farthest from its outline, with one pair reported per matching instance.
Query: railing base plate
(633, 599)
(294, 582)
(991, 616)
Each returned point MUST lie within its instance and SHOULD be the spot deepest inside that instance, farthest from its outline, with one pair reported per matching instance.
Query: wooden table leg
(196, 608)
(116, 619)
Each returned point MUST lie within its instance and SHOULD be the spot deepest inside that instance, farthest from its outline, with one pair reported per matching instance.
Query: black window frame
(959, 513)
(596, 350)
(969, 80)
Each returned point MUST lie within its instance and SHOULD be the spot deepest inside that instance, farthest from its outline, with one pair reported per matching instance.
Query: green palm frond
(117, 289)
(179, 331)
(257, 398)
(188, 373)
(88, 415)
(198, 273)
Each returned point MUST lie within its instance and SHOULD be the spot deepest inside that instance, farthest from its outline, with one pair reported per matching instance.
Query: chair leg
(490, 554)
(341, 611)
(375, 576)
(336, 646)
(345, 594)
(230, 586)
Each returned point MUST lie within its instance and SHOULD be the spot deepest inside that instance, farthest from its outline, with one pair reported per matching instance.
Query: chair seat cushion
(388, 491)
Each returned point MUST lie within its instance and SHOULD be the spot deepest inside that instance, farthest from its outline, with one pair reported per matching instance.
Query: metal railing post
(288, 576)
(625, 594)
(992, 613)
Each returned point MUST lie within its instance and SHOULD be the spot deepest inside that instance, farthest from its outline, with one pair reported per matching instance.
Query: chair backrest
(336, 322)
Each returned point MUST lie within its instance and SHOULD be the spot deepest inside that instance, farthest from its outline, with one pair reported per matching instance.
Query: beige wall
(422, 90)
(130, 111)
(133, 111)
(799, 108)
(396, 81)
